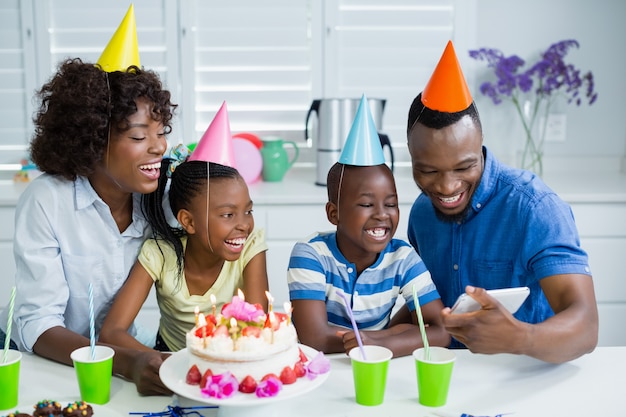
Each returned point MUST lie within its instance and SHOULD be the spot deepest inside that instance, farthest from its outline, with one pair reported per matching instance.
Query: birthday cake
(246, 348)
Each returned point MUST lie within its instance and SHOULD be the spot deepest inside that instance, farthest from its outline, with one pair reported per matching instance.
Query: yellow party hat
(122, 50)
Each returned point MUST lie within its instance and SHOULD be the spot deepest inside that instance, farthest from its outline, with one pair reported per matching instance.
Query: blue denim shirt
(517, 232)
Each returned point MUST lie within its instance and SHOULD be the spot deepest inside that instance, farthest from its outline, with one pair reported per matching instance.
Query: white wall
(528, 27)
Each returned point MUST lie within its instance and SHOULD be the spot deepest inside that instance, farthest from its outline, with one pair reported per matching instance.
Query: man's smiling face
(447, 165)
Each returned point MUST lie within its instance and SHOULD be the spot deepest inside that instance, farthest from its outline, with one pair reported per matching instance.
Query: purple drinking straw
(356, 329)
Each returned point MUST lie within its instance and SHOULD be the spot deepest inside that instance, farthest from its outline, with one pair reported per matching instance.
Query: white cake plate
(174, 369)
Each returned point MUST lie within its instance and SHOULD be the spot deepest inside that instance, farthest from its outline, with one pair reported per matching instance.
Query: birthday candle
(234, 331)
(202, 323)
(270, 301)
(213, 301)
(272, 318)
(288, 310)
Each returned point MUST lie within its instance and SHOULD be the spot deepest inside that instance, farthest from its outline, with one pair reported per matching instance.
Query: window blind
(267, 59)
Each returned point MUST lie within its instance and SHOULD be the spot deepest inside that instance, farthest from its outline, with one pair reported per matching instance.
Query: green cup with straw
(433, 367)
(9, 366)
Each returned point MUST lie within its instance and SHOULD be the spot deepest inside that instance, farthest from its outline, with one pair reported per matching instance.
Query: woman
(99, 140)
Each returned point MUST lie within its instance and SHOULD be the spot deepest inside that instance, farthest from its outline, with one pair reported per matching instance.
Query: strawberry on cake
(244, 349)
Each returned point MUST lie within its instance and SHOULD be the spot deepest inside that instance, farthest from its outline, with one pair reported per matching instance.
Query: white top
(66, 237)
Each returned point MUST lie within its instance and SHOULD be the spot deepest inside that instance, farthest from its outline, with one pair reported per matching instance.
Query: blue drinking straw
(354, 326)
(92, 330)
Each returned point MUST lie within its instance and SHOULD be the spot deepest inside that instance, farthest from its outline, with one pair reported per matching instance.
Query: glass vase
(534, 129)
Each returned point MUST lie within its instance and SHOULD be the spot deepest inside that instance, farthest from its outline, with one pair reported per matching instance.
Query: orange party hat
(216, 145)
(122, 50)
(447, 90)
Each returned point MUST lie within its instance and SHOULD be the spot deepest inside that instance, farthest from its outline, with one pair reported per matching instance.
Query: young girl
(215, 252)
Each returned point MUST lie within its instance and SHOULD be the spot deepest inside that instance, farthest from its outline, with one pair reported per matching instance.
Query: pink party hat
(122, 51)
(362, 147)
(216, 145)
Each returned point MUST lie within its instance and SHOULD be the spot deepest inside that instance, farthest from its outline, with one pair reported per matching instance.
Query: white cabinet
(602, 229)
(284, 226)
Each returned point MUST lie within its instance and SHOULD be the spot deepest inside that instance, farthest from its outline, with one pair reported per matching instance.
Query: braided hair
(187, 181)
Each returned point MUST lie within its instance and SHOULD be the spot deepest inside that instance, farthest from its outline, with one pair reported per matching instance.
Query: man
(481, 225)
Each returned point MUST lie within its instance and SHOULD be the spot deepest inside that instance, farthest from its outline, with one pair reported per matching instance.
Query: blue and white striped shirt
(318, 271)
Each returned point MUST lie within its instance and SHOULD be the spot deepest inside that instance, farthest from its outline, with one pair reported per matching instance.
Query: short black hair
(333, 178)
(436, 119)
(332, 182)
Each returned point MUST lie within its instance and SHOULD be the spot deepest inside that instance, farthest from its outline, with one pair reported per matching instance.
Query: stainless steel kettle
(334, 120)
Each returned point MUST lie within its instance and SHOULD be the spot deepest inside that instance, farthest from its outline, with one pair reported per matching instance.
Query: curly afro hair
(77, 105)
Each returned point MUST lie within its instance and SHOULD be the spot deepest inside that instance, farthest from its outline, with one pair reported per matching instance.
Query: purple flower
(546, 77)
(269, 388)
(220, 386)
(241, 310)
(317, 366)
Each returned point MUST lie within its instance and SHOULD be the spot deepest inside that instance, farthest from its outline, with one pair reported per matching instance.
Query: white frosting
(247, 355)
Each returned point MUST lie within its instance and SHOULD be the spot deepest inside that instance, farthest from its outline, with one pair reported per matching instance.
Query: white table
(593, 385)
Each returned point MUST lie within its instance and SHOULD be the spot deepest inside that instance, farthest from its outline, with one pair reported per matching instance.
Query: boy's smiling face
(366, 214)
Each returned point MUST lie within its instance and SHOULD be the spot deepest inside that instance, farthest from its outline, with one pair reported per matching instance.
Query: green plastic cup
(370, 374)
(9, 379)
(433, 376)
(94, 375)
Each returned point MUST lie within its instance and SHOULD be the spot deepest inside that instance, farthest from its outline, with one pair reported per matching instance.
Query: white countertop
(298, 187)
(481, 385)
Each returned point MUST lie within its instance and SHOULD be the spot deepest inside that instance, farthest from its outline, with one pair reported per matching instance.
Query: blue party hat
(362, 147)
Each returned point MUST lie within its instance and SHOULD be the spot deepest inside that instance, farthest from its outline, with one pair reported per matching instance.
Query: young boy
(361, 260)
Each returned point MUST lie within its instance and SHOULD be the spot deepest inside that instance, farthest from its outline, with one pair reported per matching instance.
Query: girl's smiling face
(230, 218)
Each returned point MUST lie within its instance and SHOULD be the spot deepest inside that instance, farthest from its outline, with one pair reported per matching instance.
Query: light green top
(175, 303)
